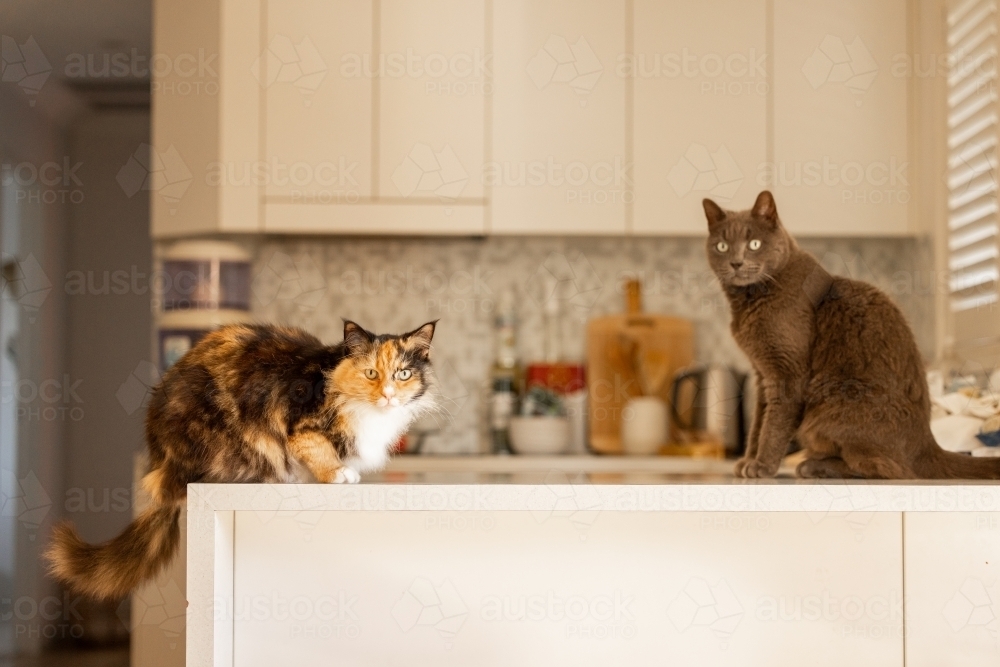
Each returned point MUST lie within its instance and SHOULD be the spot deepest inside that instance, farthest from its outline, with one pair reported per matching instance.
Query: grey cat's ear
(713, 212)
(764, 207)
(421, 336)
(355, 337)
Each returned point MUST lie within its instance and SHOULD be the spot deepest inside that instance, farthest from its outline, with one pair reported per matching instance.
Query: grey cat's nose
(736, 265)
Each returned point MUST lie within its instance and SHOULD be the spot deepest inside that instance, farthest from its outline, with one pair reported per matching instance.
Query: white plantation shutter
(972, 133)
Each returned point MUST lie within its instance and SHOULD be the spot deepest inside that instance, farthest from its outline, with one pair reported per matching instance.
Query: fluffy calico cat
(256, 403)
(836, 365)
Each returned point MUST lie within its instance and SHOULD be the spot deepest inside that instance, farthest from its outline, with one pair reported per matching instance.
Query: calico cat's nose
(736, 265)
(388, 397)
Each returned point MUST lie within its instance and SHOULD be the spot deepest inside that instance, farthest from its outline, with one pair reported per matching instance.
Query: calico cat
(256, 403)
(836, 365)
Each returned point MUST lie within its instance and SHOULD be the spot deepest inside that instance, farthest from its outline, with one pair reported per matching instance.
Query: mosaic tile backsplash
(393, 285)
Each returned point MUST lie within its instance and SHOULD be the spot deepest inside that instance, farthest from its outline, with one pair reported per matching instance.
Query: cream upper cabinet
(432, 99)
(379, 106)
(559, 162)
(840, 161)
(316, 82)
(564, 117)
(700, 110)
(205, 126)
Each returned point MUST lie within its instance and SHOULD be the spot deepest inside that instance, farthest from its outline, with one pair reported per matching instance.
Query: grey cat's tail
(940, 464)
(113, 569)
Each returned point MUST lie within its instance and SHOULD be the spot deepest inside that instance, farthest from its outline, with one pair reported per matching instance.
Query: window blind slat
(973, 126)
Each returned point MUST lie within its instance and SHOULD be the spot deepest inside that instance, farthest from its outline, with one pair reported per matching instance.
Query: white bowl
(539, 435)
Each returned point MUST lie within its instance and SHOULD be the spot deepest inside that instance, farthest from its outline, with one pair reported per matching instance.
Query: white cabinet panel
(952, 588)
(840, 117)
(558, 162)
(432, 97)
(317, 71)
(581, 588)
(403, 218)
(701, 90)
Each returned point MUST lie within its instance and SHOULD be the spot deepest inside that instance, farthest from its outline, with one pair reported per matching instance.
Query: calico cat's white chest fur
(376, 430)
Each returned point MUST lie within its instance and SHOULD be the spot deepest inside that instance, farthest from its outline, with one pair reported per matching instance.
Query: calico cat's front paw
(347, 475)
(755, 469)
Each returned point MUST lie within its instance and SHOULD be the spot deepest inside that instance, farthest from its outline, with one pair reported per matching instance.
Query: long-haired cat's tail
(942, 464)
(113, 569)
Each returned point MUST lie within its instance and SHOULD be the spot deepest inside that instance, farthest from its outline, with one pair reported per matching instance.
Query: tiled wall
(392, 285)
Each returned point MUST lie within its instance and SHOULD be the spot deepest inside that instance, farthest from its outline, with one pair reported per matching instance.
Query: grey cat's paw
(756, 469)
(740, 465)
(347, 475)
(828, 468)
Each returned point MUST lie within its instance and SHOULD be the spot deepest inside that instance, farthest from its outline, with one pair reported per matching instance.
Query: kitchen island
(568, 570)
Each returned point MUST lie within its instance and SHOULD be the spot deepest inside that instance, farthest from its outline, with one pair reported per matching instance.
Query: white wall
(33, 135)
(107, 284)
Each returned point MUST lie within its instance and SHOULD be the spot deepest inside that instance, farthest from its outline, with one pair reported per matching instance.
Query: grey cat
(836, 365)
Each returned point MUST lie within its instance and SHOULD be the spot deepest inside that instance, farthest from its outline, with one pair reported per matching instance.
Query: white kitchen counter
(585, 464)
(723, 571)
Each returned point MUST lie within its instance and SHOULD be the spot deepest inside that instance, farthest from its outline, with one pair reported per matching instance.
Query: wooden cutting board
(624, 352)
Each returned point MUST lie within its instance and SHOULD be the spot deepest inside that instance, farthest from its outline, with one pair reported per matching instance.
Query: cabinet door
(317, 71)
(432, 98)
(952, 590)
(559, 162)
(840, 117)
(566, 587)
(701, 90)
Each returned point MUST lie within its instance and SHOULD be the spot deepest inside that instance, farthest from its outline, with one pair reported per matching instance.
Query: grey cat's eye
(371, 373)
(404, 374)
(722, 246)
(755, 244)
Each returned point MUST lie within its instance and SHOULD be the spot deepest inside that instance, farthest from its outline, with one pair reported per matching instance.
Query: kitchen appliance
(630, 355)
(709, 399)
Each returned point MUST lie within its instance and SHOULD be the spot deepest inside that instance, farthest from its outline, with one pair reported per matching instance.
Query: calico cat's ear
(764, 207)
(713, 212)
(421, 337)
(355, 337)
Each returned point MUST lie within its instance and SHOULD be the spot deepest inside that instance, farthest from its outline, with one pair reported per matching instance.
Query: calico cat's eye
(722, 246)
(371, 373)
(755, 244)
(404, 374)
